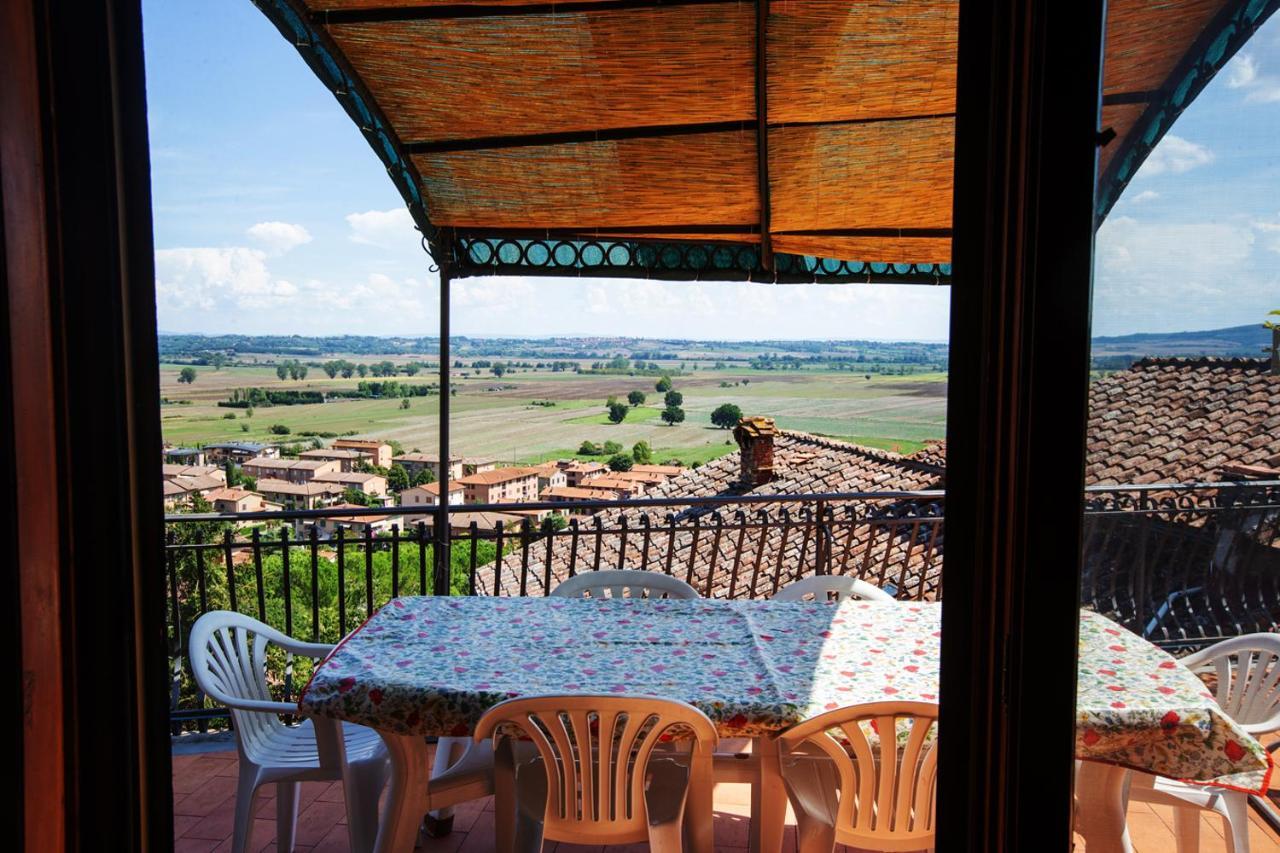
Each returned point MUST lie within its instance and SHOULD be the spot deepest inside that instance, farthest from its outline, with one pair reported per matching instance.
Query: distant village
(359, 473)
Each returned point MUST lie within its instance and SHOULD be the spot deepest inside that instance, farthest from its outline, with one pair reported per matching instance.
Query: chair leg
(1235, 821)
(1186, 826)
(504, 797)
(531, 806)
(665, 795)
(246, 796)
(361, 792)
(441, 762)
(286, 814)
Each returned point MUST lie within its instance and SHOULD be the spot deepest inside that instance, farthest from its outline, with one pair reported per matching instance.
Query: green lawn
(688, 456)
(635, 415)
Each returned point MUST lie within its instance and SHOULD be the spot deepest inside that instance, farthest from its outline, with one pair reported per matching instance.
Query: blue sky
(272, 215)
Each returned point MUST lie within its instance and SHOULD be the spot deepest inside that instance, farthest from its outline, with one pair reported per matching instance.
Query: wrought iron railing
(1182, 565)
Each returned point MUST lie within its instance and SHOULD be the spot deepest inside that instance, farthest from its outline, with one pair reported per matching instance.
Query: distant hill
(1122, 350)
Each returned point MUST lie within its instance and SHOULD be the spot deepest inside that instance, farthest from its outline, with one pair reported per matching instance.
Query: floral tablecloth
(433, 666)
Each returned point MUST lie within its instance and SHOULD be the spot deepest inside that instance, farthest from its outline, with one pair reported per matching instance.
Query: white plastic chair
(1247, 672)
(601, 584)
(228, 659)
(831, 587)
(596, 777)
(619, 582)
(849, 788)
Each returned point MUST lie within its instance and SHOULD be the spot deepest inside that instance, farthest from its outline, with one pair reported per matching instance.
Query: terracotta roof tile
(1181, 420)
(803, 464)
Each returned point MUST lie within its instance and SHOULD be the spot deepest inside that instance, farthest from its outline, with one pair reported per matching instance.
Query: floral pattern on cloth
(433, 666)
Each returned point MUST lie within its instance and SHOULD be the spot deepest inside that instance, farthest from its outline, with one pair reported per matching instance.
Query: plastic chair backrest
(616, 583)
(827, 587)
(228, 653)
(595, 751)
(886, 799)
(1247, 674)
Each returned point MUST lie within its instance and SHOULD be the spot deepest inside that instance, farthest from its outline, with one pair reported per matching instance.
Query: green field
(499, 418)
(635, 415)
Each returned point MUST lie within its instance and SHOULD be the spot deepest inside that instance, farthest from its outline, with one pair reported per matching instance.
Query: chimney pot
(755, 442)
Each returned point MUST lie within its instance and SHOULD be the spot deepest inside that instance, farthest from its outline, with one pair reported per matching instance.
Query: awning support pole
(441, 582)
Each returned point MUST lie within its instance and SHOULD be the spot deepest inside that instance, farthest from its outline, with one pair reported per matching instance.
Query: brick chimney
(755, 441)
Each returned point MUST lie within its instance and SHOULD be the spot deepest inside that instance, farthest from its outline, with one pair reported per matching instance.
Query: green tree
(248, 413)
(352, 495)
(397, 449)
(279, 429)
(187, 375)
(642, 453)
(673, 398)
(618, 412)
(244, 427)
(404, 404)
(636, 398)
(610, 448)
(589, 448)
(424, 476)
(397, 478)
(363, 370)
(412, 368)
(347, 369)
(726, 416)
(499, 370)
(673, 415)
(620, 462)
(331, 368)
(217, 360)
(664, 384)
(282, 371)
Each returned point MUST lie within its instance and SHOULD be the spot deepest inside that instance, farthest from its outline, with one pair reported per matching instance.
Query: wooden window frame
(79, 288)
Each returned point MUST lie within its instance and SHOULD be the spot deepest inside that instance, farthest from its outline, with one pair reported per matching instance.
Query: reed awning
(778, 140)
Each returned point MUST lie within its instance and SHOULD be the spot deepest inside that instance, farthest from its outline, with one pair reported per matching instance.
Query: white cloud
(1269, 234)
(204, 279)
(1175, 155)
(385, 228)
(1164, 276)
(1245, 73)
(1242, 71)
(279, 237)
(223, 289)
(1145, 196)
(492, 294)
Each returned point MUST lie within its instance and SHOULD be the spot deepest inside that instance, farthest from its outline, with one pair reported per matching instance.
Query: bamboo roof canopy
(774, 140)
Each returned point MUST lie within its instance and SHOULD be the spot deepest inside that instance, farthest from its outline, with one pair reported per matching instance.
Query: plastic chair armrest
(309, 650)
(258, 705)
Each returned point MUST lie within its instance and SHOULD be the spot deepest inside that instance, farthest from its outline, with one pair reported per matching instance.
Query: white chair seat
(1187, 801)
(294, 747)
(228, 660)
(1246, 675)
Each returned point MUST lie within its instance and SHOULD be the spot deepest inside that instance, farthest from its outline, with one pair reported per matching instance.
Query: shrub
(278, 429)
(620, 462)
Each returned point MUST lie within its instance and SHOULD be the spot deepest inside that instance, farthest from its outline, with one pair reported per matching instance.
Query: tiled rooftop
(803, 464)
(204, 788)
(1182, 420)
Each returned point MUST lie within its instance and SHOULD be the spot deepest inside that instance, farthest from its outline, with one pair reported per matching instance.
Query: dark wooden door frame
(81, 426)
(1028, 102)
(85, 440)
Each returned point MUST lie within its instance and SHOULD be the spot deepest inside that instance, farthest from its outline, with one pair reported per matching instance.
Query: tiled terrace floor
(204, 804)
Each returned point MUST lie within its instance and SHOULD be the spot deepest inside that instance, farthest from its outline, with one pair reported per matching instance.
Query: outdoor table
(433, 665)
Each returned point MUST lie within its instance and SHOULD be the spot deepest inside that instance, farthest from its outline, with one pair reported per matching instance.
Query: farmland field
(531, 414)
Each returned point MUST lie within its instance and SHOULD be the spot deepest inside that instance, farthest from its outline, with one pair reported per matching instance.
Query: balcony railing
(1182, 565)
